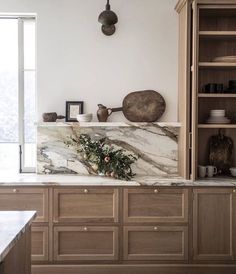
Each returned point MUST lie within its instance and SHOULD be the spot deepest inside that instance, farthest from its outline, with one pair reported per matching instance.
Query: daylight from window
(17, 95)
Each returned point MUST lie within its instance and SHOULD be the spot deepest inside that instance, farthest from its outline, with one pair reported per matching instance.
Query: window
(17, 94)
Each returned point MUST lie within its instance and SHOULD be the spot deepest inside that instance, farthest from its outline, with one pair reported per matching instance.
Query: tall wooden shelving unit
(207, 30)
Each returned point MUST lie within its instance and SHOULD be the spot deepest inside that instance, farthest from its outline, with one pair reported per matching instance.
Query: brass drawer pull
(85, 191)
(85, 229)
(156, 190)
(15, 190)
(155, 228)
(234, 191)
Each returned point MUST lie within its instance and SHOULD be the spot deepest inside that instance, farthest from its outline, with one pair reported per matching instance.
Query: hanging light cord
(108, 7)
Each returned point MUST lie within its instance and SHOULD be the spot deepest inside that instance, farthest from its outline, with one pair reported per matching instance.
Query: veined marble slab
(16, 180)
(155, 145)
(12, 225)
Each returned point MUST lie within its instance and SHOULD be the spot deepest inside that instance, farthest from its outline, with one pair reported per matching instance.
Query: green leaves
(104, 158)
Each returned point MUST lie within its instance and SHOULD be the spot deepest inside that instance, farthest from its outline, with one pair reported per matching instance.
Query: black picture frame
(78, 108)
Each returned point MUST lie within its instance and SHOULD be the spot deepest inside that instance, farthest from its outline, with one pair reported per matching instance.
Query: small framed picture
(73, 108)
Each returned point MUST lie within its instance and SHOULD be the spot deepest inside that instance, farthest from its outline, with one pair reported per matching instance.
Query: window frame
(21, 93)
(21, 18)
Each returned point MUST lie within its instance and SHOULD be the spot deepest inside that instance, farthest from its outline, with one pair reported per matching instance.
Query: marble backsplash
(155, 145)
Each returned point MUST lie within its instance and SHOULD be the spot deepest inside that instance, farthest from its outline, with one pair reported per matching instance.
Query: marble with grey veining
(155, 145)
(80, 181)
(13, 224)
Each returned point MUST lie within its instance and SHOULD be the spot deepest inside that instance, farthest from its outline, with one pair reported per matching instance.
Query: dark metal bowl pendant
(108, 30)
(108, 19)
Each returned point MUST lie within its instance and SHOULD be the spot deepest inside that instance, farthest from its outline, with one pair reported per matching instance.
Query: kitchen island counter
(13, 225)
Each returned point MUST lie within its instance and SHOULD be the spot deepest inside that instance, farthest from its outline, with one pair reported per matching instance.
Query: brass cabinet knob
(85, 191)
(155, 228)
(14, 190)
(234, 191)
(156, 191)
(85, 229)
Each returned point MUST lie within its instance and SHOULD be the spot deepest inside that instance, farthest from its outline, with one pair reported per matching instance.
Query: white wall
(77, 62)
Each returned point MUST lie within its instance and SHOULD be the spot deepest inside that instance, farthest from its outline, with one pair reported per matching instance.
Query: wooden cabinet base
(17, 260)
(133, 269)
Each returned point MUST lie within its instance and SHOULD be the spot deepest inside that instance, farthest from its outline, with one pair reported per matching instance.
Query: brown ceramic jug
(103, 113)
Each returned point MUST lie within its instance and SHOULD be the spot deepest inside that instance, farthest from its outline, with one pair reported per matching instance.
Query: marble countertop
(76, 180)
(12, 225)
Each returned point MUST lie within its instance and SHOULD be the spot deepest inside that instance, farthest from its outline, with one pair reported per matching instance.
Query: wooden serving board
(143, 106)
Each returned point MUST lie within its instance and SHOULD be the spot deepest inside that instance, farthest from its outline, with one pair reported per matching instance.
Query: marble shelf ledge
(107, 124)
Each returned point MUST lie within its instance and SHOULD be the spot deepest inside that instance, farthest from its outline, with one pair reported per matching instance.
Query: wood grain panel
(212, 224)
(21, 198)
(155, 243)
(85, 243)
(39, 243)
(135, 269)
(155, 205)
(86, 205)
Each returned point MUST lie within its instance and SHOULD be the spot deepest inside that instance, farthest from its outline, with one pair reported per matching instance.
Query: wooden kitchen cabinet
(39, 243)
(214, 224)
(85, 243)
(155, 243)
(21, 198)
(85, 205)
(207, 31)
(153, 205)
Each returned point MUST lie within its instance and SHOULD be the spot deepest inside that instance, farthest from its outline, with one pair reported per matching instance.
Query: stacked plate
(225, 59)
(217, 116)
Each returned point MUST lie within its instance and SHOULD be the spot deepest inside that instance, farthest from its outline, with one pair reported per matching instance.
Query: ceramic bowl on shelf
(217, 113)
(84, 117)
(233, 171)
(218, 120)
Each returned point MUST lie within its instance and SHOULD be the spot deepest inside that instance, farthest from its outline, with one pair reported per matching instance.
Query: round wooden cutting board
(143, 106)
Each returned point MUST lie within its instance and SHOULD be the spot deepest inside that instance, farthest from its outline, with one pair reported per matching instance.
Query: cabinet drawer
(155, 205)
(86, 205)
(39, 243)
(155, 243)
(85, 243)
(25, 199)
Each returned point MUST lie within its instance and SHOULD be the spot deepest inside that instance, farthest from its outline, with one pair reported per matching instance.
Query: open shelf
(217, 19)
(217, 95)
(232, 126)
(217, 34)
(216, 65)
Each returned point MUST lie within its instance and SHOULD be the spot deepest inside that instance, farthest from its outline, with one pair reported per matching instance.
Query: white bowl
(217, 113)
(84, 117)
(217, 110)
(233, 171)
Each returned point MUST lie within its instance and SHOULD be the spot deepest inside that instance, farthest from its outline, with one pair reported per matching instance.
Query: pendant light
(108, 19)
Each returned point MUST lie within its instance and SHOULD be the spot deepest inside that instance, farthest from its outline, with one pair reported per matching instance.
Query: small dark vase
(103, 113)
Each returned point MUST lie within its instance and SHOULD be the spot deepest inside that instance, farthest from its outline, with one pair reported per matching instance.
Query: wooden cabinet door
(152, 205)
(155, 243)
(86, 205)
(39, 243)
(21, 198)
(85, 243)
(213, 224)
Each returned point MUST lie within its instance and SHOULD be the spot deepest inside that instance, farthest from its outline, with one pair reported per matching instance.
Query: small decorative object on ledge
(102, 158)
(221, 153)
(52, 117)
(73, 108)
(103, 112)
(145, 106)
